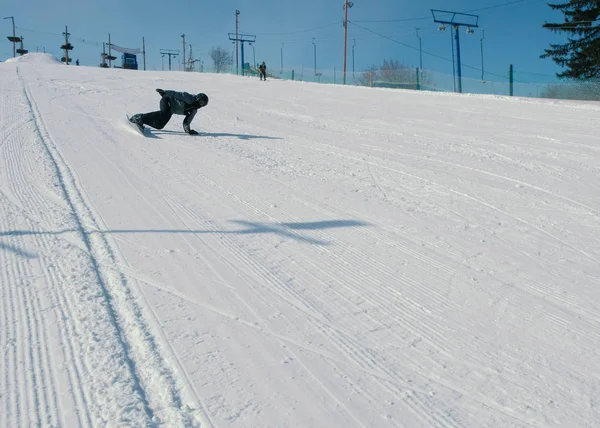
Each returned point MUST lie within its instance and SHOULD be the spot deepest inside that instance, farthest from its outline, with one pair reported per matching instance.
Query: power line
(428, 53)
(429, 17)
(299, 31)
(78, 39)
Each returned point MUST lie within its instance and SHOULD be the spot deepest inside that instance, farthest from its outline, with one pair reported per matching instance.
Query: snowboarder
(262, 70)
(172, 102)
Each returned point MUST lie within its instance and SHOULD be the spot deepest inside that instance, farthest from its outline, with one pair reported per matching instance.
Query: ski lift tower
(14, 39)
(243, 38)
(456, 20)
(170, 53)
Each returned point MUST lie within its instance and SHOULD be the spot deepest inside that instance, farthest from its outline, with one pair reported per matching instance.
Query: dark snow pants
(158, 119)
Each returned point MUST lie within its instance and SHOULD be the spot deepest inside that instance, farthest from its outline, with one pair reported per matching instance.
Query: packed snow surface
(320, 256)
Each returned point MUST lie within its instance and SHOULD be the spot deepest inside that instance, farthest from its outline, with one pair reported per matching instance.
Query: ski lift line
(298, 31)
(467, 11)
(435, 55)
(77, 39)
(39, 32)
(571, 24)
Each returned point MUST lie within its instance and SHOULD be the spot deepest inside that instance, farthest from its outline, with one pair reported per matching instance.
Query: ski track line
(260, 327)
(469, 197)
(21, 303)
(334, 150)
(29, 365)
(355, 277)
(267, 276)
(73, 348)
(369, 232)
(565, 303)
(342, 344)
(11, 414)
(259, 319)
(591, 210)
(351, 268)
(176, 395)
(373, 361)
(12, 399)
(568, 303)
(382, 377)
(171, 387)
(33, 200)
(552, 311)
(370, 362)
(343, 341)
(505, 411)
(514, 416)
(68, 331)
(81, 214)
(42, 379)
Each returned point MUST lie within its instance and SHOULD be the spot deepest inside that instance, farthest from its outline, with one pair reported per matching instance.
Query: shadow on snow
(215, 134)
(289, 230)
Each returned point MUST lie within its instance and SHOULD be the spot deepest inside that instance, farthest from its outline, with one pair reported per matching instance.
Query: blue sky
(379, 29)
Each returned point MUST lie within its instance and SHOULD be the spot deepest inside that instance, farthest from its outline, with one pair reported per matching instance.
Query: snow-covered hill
(320, 256)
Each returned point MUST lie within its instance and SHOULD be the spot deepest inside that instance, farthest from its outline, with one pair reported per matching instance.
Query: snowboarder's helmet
(202, 100)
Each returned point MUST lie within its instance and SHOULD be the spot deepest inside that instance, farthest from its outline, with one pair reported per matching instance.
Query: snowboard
(138, 128)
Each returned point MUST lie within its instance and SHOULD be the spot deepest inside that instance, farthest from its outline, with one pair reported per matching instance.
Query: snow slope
(320, 256)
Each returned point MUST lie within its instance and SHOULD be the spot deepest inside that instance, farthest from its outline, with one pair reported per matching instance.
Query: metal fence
(516, 85)
(512, 84)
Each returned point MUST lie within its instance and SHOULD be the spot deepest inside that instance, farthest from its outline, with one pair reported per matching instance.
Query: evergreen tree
(580, 56)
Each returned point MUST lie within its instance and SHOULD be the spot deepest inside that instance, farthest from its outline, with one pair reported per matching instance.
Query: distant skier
(262, 70)
(171, 103)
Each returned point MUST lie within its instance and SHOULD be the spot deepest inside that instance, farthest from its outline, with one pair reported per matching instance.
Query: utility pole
(511, 79)
(66, 47)
(455, 22)
(242, 38)
(420, 51)
(191, 60)
(420, 69)
(103, 55)
(183, 37)
(111, 58)
(144, 51)
(353, 57)
(237, 26)
(348, 4)
(253, 55)
(315, 49)
(481, 41)
(14, 39)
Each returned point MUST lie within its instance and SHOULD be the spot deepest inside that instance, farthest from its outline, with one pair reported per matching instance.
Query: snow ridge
(128, 376)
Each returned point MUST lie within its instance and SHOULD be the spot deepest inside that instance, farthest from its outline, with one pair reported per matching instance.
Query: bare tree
(367, 76)
(221, 58)
(393, 73)
(574, 90)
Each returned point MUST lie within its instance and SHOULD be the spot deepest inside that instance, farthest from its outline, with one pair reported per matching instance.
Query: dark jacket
(185, 104)
(182, 102)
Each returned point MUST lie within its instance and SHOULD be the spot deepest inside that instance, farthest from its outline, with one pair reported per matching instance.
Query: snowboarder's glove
(161, 92)
(192, 132)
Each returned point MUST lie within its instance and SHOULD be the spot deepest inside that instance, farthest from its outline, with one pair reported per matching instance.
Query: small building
(129, 61)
